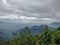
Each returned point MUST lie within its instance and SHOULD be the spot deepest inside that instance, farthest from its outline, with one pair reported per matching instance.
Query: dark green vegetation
(47, 37)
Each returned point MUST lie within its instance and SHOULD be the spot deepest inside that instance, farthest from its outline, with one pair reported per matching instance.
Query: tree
(26, 36)
(45, 36)
(58, 28)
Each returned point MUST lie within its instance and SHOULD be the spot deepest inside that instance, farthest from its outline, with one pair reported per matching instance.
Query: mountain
(54, 25)
(38, 29)
(7, 33)
(35, 29)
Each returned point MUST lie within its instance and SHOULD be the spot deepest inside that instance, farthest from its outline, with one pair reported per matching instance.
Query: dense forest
(47, 37)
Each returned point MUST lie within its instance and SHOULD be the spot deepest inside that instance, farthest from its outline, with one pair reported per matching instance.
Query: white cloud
(8, 17)
(27, 18)
(5, 2)
(18, 17)
(45, 19)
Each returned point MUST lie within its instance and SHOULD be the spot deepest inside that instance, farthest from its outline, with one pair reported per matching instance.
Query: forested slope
(47, 37)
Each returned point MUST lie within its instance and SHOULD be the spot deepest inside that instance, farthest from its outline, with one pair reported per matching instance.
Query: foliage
(47, 37)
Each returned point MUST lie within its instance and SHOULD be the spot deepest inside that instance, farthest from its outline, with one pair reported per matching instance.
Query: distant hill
(5, 34)
(38, 29)
(35, 30)
(54, 25)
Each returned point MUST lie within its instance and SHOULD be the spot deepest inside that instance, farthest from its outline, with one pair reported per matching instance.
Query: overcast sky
(30, 11)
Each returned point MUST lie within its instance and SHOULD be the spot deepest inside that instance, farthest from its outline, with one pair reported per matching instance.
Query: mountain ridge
(35, 29)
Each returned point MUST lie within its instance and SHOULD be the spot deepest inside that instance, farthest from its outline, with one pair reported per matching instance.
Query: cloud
(8, 17)
(30, 10)
(25, 19)
(5, 2)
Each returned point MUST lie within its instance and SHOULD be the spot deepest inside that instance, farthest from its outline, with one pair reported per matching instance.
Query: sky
(30, 11)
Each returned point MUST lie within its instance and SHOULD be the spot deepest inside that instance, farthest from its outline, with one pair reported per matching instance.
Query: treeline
(47, 37)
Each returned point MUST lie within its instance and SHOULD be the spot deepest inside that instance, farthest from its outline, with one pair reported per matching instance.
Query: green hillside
(47, 37)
